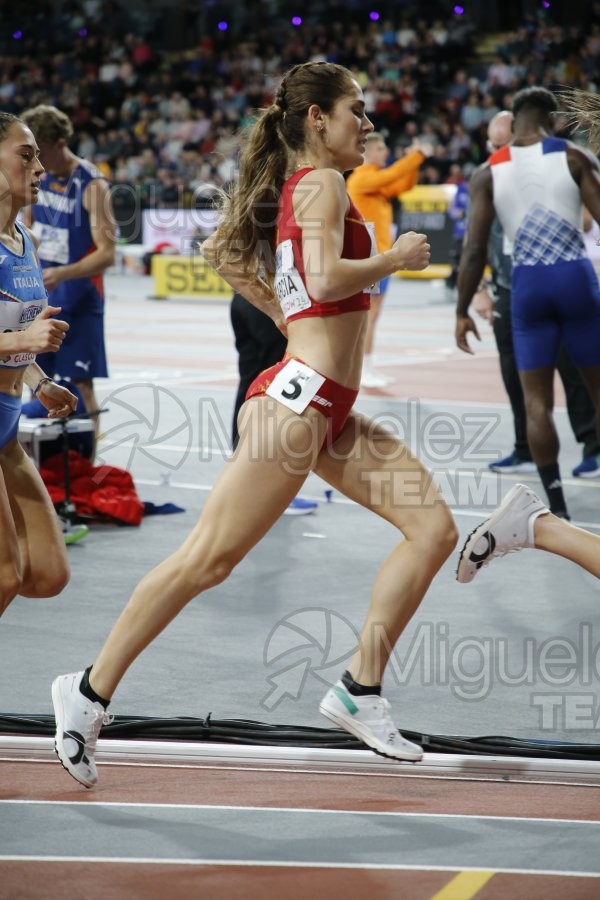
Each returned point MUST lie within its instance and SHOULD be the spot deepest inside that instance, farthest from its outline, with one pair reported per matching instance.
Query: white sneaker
(368, 719)
(370, 379)
(78, 724)
(509, 528)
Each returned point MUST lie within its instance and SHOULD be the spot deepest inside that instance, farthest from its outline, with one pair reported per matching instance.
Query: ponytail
(247, 229)
(246, 234)
(583, 110)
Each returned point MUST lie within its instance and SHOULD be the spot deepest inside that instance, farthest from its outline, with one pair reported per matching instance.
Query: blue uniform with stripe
(22, 299)
(62, 225)
(555, 292)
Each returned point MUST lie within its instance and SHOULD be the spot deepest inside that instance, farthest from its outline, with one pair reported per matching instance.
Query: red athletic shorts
(333, 400)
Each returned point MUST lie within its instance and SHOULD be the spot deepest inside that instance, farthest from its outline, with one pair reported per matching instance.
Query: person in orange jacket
(371, 187)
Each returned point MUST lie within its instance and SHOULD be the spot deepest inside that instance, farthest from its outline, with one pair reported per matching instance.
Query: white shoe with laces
(509, 529)
(368, 719)
(78, 724)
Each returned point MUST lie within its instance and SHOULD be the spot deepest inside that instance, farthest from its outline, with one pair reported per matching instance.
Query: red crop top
(290, 282)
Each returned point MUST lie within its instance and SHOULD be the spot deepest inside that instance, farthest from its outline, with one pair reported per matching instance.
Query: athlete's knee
(209, 571)
(439, 535)
(445, 532)
(219, 569)
(48, 583)
(56, 581)
(10, 584)
(538, 410)
(434, 534)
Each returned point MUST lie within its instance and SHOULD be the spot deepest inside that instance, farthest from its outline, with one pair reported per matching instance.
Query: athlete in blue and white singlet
(74, 222)
(22, 298)
(555, 288)
(62, 226)
(22, 294)
(538, 185)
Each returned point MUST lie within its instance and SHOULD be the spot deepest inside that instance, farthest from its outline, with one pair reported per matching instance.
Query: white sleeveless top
(538, 203)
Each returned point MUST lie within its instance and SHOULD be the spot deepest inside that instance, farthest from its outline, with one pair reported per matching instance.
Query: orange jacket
(371, 187)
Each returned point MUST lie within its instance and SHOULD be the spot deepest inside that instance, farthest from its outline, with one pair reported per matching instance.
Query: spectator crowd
(167, 123)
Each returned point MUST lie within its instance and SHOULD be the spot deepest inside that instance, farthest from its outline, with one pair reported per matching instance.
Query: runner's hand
(465, 324)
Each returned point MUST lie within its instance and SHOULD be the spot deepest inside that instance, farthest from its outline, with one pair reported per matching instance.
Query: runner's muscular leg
(10, 559)
(542, 437)
(377, 470)
(43, 563)
(276, 451)
(557, 536)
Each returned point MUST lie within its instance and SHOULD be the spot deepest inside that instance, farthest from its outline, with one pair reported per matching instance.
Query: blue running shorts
(82, 355)
(554, 304)
(10, 412)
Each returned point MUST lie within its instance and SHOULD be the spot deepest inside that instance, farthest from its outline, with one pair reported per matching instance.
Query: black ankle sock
(88, 691)
(550, 476)
(359, 690)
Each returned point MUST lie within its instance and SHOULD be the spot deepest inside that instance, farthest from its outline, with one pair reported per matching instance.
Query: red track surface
(236, 786)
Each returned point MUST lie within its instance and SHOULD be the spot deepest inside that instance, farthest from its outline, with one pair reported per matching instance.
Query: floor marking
(293, 770)
(284, 864)
(345, 501)
(463, 886)
(166, 377)
(351, 761)
(207, 452)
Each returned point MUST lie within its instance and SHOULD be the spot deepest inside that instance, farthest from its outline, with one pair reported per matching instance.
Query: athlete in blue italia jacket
(73, 219)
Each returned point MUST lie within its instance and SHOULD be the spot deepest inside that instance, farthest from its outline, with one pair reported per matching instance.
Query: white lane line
(276, 810)
(292, 864)
(293, 770)
(513, 778)
(345, 501)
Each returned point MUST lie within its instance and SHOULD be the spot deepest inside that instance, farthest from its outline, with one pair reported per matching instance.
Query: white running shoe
(368, 719)
(78, 724)
(509, 528)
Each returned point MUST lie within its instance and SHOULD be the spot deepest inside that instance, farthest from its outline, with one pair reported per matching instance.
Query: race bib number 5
(295, 386)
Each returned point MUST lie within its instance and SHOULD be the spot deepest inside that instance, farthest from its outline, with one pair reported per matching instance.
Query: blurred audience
(168, 122)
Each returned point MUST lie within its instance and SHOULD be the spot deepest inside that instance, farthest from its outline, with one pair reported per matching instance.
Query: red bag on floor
(105, 492)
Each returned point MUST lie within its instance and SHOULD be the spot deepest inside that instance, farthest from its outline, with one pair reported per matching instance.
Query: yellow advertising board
(425, 210)
(429, 198)
(187, 276)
